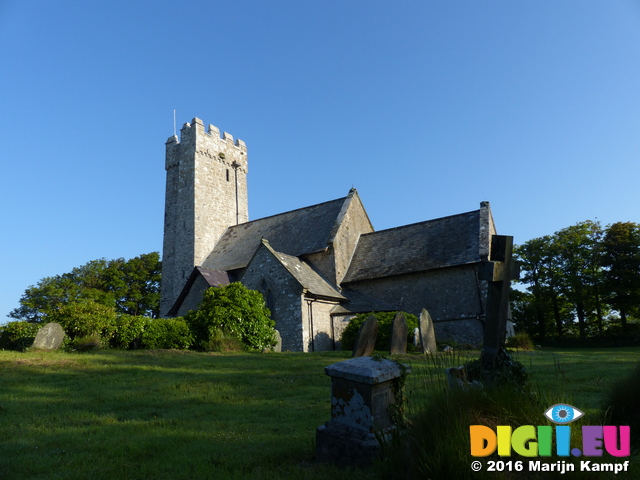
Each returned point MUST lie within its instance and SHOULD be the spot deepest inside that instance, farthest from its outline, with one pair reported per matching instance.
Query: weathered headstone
(363, 402)
(49, 337)
(498, 272)
(366, 339)
(427, 334)
(416, 337)
(278, 347)
(399, 335)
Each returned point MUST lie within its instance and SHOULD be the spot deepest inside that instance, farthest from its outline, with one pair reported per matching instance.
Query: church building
(316, 266)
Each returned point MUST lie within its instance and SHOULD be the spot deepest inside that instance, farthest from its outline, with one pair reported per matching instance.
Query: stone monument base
(346, 446)
(363, 399)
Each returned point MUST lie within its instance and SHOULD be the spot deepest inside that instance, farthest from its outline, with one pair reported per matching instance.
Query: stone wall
(340, 322)
(352, 222)
(318, 329)
(355, 222)
(194, 298)
(267, 275)
(323, 263)
(454, 297)
(206, 192)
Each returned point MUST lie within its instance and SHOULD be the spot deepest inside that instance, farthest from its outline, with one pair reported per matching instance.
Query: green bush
(128, 331)
(520, 341)
(221, 342)
(17, 335)
(235, 310)
(84, 344)
(507, 371)
(166, 333)
(385, 323)
(86, 319)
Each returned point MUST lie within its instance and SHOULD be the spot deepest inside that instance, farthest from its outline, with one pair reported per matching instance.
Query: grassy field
(174, 415)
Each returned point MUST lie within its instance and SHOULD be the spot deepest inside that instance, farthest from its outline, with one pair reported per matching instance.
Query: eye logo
(562, 413)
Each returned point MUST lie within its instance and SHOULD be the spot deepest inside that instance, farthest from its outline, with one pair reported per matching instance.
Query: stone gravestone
(399, 335)
(49, 337)
(427, 334)
(278, 347)
(366, 339)
(363, 401)
(416, 337)
(499, 272)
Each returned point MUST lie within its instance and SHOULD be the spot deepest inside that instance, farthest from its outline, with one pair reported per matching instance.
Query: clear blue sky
(427, 107)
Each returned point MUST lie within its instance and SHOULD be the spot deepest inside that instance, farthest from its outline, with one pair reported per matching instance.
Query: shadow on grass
(163, 415)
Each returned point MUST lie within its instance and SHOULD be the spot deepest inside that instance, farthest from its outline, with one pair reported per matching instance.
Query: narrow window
(227, 174)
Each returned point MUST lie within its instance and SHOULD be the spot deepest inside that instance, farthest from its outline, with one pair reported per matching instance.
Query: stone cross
(499, 272)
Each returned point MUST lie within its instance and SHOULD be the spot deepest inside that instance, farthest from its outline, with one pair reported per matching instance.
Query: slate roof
(213, 277)
(305, 275)
(438, 243)
(298, 232)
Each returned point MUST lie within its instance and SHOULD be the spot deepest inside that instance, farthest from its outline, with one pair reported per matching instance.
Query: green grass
(581, 377)
(112, 414)
(174, 415)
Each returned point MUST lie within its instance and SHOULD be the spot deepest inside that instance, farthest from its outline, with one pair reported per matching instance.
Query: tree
(128, 286)
(136, 284)
(621, 258)
(564, 272)
(541, 270)
(236, 311)
(578, 254)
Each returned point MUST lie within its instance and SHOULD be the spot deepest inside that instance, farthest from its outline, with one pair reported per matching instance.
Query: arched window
(267, 293)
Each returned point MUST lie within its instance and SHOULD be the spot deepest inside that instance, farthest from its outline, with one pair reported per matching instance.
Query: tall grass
(622, 405)
(437, 445)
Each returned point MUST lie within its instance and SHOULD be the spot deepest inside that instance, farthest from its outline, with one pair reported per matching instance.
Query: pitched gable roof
(298, 232)
(438, 243)
(213, 278)
(309, 279)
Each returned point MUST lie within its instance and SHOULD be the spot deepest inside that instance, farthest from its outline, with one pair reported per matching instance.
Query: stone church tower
(206, 193)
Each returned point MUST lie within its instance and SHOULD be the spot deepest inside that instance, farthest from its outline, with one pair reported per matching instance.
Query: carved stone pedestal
(362, 399)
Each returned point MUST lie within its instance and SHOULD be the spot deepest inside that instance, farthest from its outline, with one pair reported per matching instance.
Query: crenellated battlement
(190, 130)
(206, 193)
